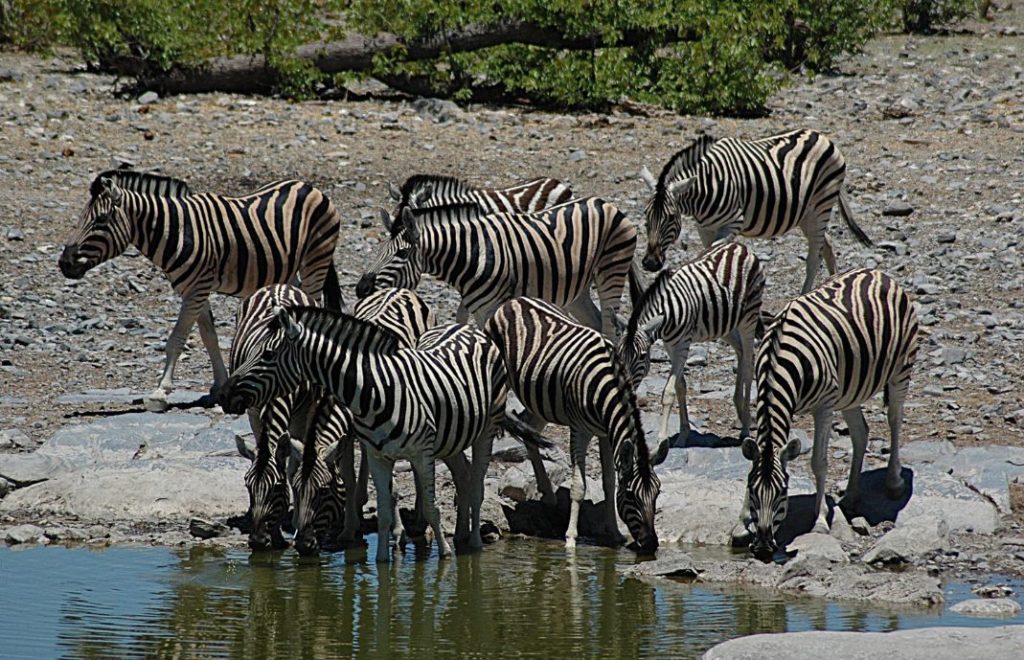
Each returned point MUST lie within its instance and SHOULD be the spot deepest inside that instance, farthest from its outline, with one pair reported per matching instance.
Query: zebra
(830, 349)
(307, 413)
(759, 188)
(553, 255)
(207, 244)
(428, 191)
(567, 373)
(715, 296)
(421, 404)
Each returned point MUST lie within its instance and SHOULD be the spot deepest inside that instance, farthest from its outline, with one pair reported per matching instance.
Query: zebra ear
(245, 449)
(792, 450)
(294, 457)
(652, 326)
(659, 455)
(331, 453)
(682, 185)
(648, 178)
(422, 195)
(111, 190)
(412, 232)
(394, 192)
(749, 448)
(385, 219)
(285, 320)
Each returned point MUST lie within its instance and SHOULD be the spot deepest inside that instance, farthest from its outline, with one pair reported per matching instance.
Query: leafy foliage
(741, 53)
(923, 15)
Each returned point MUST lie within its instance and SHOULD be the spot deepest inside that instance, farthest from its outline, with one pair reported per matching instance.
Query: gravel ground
(932, 128)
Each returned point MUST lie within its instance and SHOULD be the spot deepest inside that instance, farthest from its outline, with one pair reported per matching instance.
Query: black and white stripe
(830, 349)
(566, 373)
(305, 414)
(715, 296)
(207, 244)
(554, 255)
(430, 190)
(419, 404)
(759, 188)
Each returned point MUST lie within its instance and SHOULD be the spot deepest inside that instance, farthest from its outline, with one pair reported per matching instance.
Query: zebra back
(527, 197)
(145, 183)
(400, 310)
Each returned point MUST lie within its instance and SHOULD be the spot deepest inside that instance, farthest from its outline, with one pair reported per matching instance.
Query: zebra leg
(815, 233)
(829, 255)
(819, 465)
(424, 465)
(894, 484)
(462, 473)
(859, 435)
(743, 343)
(584, 310)
(578, 463)
(208, 333)
(679, 354)
(668, 400)
(540, 473)
(191, 305)
(381, 469)
(481, 459)
(611, 523)
(351, 526)
(462, 313)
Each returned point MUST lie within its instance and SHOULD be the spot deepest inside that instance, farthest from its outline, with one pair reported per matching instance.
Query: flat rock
(25, 469)
(898, 209)
(987, 607)
(819, 545)
(910, 541)
(23, 534)
(124, 396)
(917, 644)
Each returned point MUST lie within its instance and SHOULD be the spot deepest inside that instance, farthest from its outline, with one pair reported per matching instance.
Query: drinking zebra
(418, 404)
(303, 414)
(758, 188)
(207, 244)
(830, 349)
(430, 191)
(553, 255)
(566, 373)
(715, 296)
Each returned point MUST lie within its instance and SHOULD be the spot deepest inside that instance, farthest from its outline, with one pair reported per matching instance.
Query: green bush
(922, 16)
(740, 57)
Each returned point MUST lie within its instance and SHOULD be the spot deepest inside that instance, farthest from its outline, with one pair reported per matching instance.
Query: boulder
(918, 644)
(991, 607)
(26, 469)
(915, 539)
(23, 534)
(819, 545)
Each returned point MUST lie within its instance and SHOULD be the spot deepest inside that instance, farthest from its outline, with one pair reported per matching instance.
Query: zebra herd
(316, 380)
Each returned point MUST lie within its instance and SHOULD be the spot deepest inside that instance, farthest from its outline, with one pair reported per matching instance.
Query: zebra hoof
(896, 492)
(156, 402)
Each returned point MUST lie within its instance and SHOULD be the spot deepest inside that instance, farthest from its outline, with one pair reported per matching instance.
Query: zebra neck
(155, 228)
(438, 240)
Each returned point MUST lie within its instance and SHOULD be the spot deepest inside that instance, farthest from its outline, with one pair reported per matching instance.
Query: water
(519, 598)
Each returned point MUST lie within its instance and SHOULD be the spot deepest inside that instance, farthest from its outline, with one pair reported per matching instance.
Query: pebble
(15, 234)
(898, 209)
(148, 98)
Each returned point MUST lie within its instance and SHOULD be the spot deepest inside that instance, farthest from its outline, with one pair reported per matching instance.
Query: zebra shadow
(534, 518)
(874, 506)
(703, 440)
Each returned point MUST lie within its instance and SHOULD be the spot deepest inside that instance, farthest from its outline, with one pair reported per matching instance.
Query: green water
(515, 599)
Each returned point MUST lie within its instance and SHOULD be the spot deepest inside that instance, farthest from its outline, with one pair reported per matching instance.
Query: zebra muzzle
(366, 285)
(652, 262)
(71, 264)
(231, 400)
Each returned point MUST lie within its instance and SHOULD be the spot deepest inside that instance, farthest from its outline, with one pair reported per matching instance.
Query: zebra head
(319, 495)
(414, 193)
(268, 494)
(272, 372)
(103, 231)
(634, 348)
(768, 488)
(397, 264)
(636, 496)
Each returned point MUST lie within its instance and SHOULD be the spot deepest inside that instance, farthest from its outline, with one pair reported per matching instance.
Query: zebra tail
(844, 210)
(332, 290)
(527, 435)
(637, 283)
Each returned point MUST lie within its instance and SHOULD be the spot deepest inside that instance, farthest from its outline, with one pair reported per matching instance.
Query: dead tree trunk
(251, 74)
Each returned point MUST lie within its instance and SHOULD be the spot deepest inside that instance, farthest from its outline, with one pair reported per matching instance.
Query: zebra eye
(268, 354)
(402, 253)
(102, 219)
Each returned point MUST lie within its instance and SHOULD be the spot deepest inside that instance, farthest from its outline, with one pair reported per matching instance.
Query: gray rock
(953, 355)
(670, 564)
(23, 534)
(16, 438)
(206, 529)
(992, 607)
(26, 469)
(518, 483)
(148, 97)
(508, 450)
(15, 234)
(577, 155)
(898, 209)
(945, 238)
(910, 541)
(5, 487)
(860, 525)
(917, 644)
(819, 545)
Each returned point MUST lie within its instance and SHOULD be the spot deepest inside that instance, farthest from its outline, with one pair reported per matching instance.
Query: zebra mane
(642, 454)
(683, 160)
(417, 181)
(770, 343)
(453, 208)
(140, 182)
(651, 292)
(384, 341)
